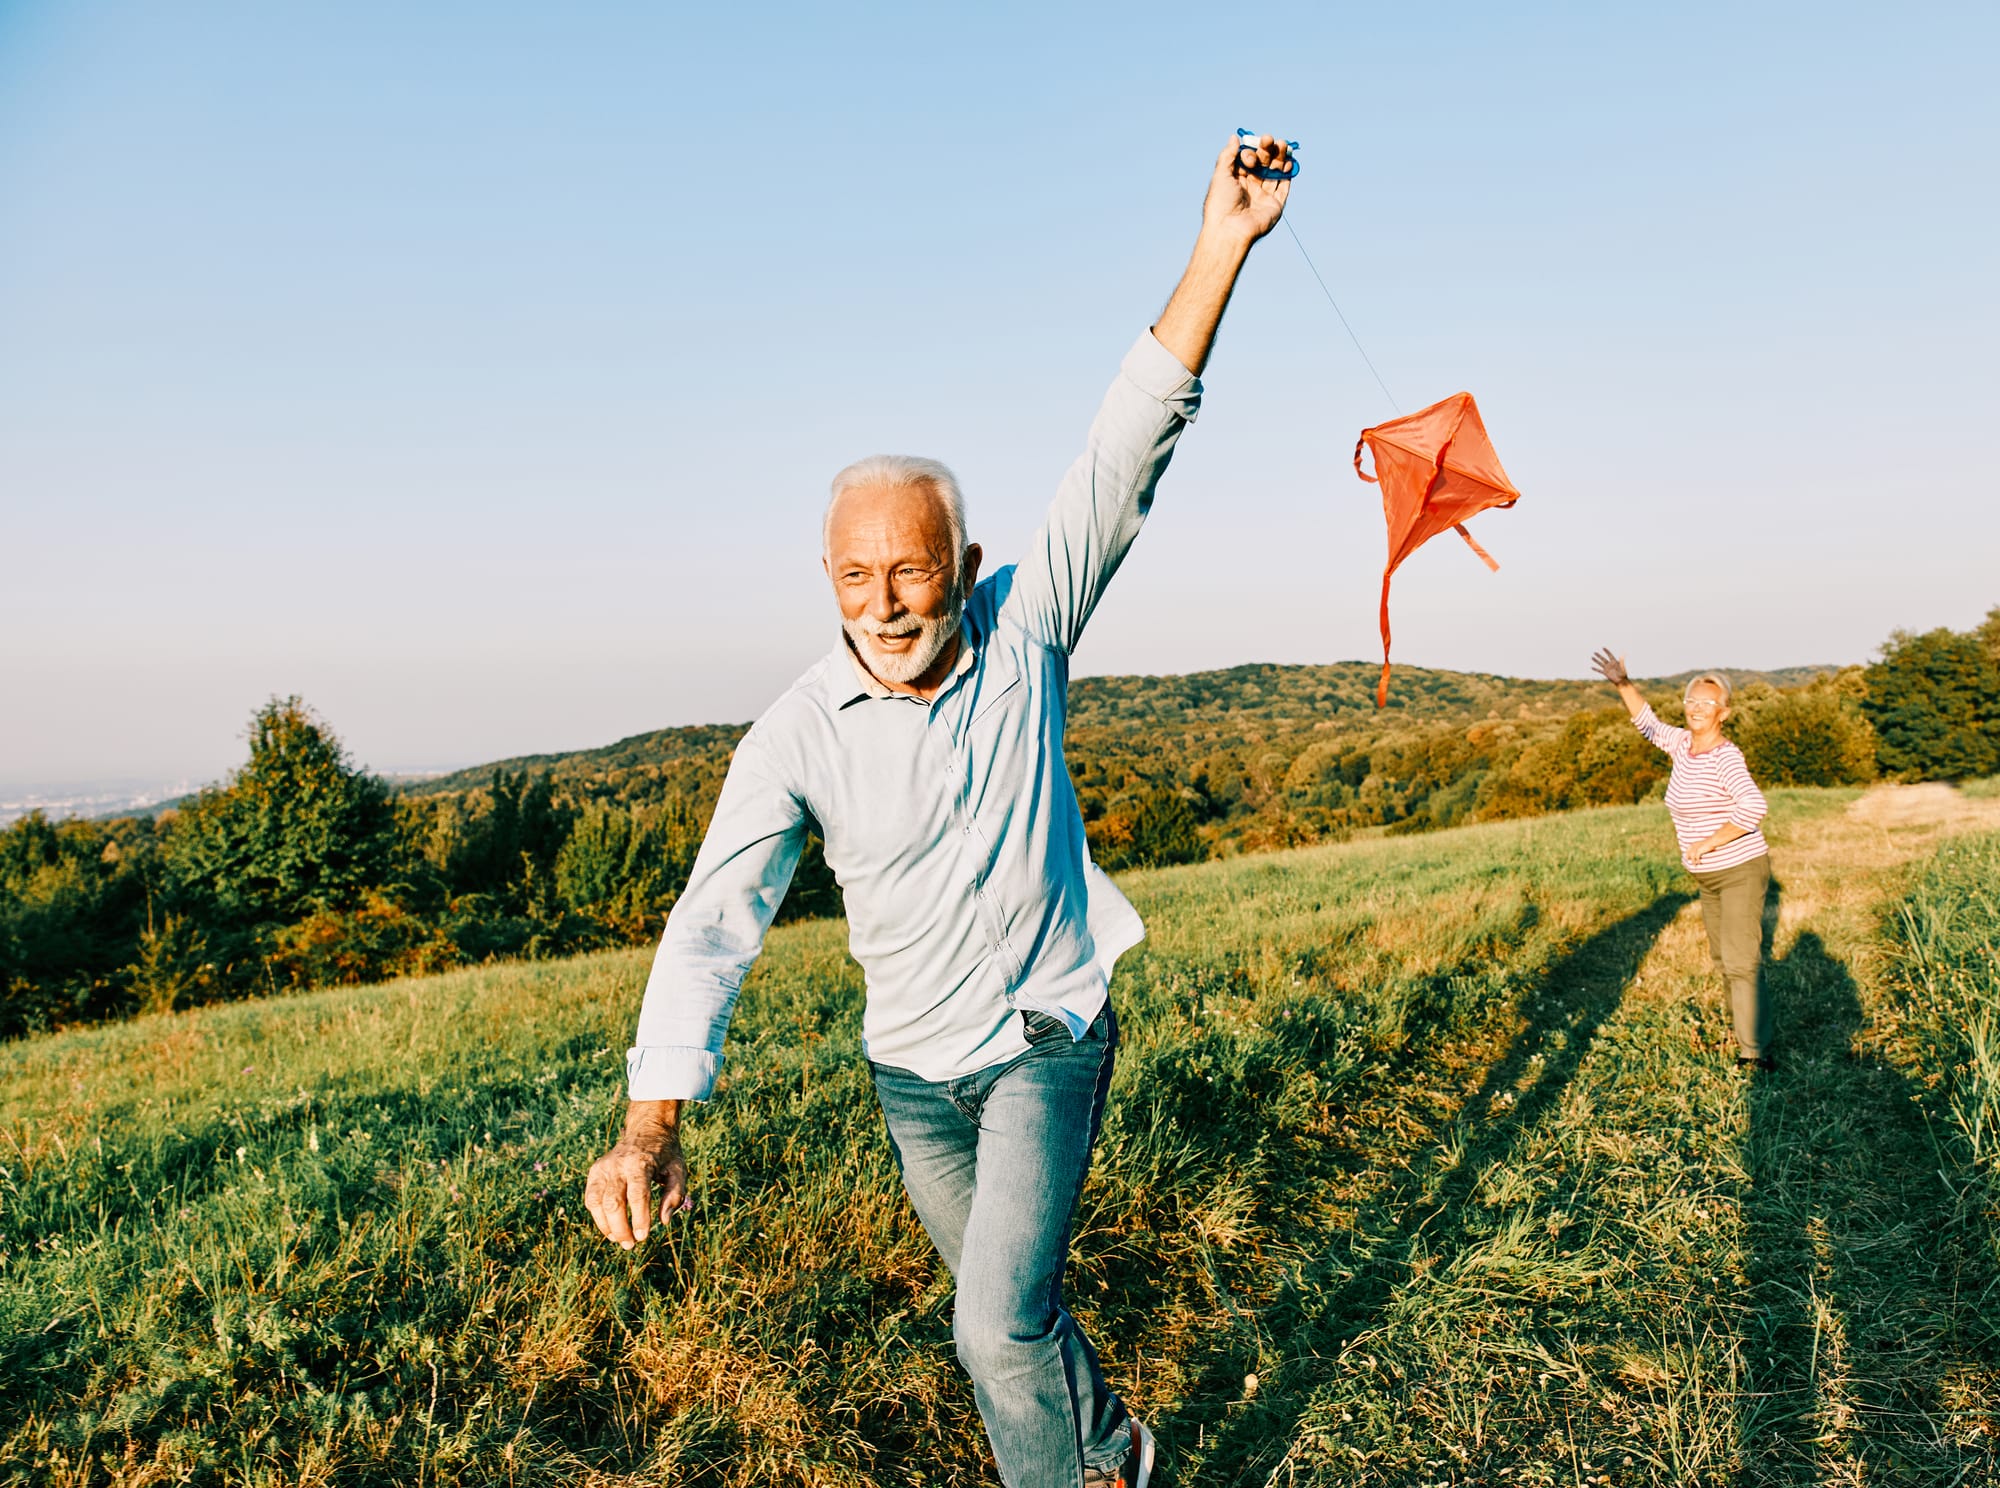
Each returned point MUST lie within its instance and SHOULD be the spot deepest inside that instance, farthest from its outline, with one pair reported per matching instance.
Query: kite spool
(1264, 172)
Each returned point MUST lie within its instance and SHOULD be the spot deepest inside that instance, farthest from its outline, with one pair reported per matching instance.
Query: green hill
(1176, 768)
(1254, 700)
(1264, 696)
(660, 750)
(1424, 1163)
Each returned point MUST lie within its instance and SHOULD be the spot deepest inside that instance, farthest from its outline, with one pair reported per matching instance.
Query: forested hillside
(1171, 769)
(1175, 769)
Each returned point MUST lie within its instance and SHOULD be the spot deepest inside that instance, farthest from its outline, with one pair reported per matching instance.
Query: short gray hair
(904, 472)
(1713, 679)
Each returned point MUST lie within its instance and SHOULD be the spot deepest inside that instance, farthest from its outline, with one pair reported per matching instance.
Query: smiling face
(900, 588)
(1707, 707)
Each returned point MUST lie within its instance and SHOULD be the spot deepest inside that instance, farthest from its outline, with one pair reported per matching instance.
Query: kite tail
(1382, 687)
(1484, 556)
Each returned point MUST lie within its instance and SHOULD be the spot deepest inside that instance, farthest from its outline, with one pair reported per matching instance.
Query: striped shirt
(1706, 791)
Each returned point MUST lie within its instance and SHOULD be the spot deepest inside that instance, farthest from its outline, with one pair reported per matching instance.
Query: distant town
(119, 797)
(89, 798)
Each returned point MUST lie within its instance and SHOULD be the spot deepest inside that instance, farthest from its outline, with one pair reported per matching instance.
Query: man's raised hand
(1610, 668)
(1240, 202)
(1239, 209)
(619, 1191)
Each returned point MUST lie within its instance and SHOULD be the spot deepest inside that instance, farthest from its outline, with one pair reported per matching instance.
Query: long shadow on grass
(1424, 1211)
(1866, 1355)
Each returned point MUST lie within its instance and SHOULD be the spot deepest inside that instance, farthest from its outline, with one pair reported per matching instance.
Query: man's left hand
(1240, 204)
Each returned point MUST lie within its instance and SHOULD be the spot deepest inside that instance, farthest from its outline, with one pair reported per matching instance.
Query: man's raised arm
(1105, 495)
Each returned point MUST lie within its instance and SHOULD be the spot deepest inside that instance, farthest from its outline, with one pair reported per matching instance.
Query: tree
(298, 829)
(1934, 700)
(624, 870)
(499, 838)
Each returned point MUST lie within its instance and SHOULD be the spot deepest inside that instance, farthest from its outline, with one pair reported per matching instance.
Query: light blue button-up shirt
(951, 825)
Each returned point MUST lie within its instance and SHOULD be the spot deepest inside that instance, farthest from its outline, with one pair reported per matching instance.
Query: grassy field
(1425, 1164)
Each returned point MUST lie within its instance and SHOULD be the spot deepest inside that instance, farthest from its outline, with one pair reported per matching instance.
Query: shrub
(1155, 829)
(175, 967)
(1812, 736)
(1596, 759)
(371, 942)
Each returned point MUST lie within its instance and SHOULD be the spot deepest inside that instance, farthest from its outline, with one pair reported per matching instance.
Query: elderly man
(929, 748)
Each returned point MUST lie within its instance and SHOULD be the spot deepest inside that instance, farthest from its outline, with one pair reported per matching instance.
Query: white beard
(905, 667)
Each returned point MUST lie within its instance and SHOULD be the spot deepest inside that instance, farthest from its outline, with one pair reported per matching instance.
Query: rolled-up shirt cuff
(670, 1072)
(1158, 373)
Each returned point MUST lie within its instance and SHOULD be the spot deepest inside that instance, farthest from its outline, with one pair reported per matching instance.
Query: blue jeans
(994, 1163)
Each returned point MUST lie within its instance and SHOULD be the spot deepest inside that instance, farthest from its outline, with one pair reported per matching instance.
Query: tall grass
(1948, 934)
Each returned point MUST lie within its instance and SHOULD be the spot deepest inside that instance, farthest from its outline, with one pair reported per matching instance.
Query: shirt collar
(868, 685)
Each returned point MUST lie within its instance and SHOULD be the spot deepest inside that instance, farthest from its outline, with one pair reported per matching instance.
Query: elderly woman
(1716, 809)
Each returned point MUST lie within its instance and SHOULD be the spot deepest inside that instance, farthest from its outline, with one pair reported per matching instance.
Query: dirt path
(1585, 1249)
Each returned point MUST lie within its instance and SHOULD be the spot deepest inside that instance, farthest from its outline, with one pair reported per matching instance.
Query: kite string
(1337, 311)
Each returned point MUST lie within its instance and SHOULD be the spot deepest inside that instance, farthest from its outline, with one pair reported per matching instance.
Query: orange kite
(1436, 467)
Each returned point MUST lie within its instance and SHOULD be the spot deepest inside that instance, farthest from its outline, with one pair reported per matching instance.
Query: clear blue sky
(476, 370)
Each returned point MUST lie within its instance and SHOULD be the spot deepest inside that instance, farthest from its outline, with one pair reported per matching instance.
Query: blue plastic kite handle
(1263, 172)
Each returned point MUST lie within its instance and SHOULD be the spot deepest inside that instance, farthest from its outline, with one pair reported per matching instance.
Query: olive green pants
(1732, 907)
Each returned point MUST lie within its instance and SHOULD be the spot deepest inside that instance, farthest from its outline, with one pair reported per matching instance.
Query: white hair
(904, 472)
(1713, 679)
